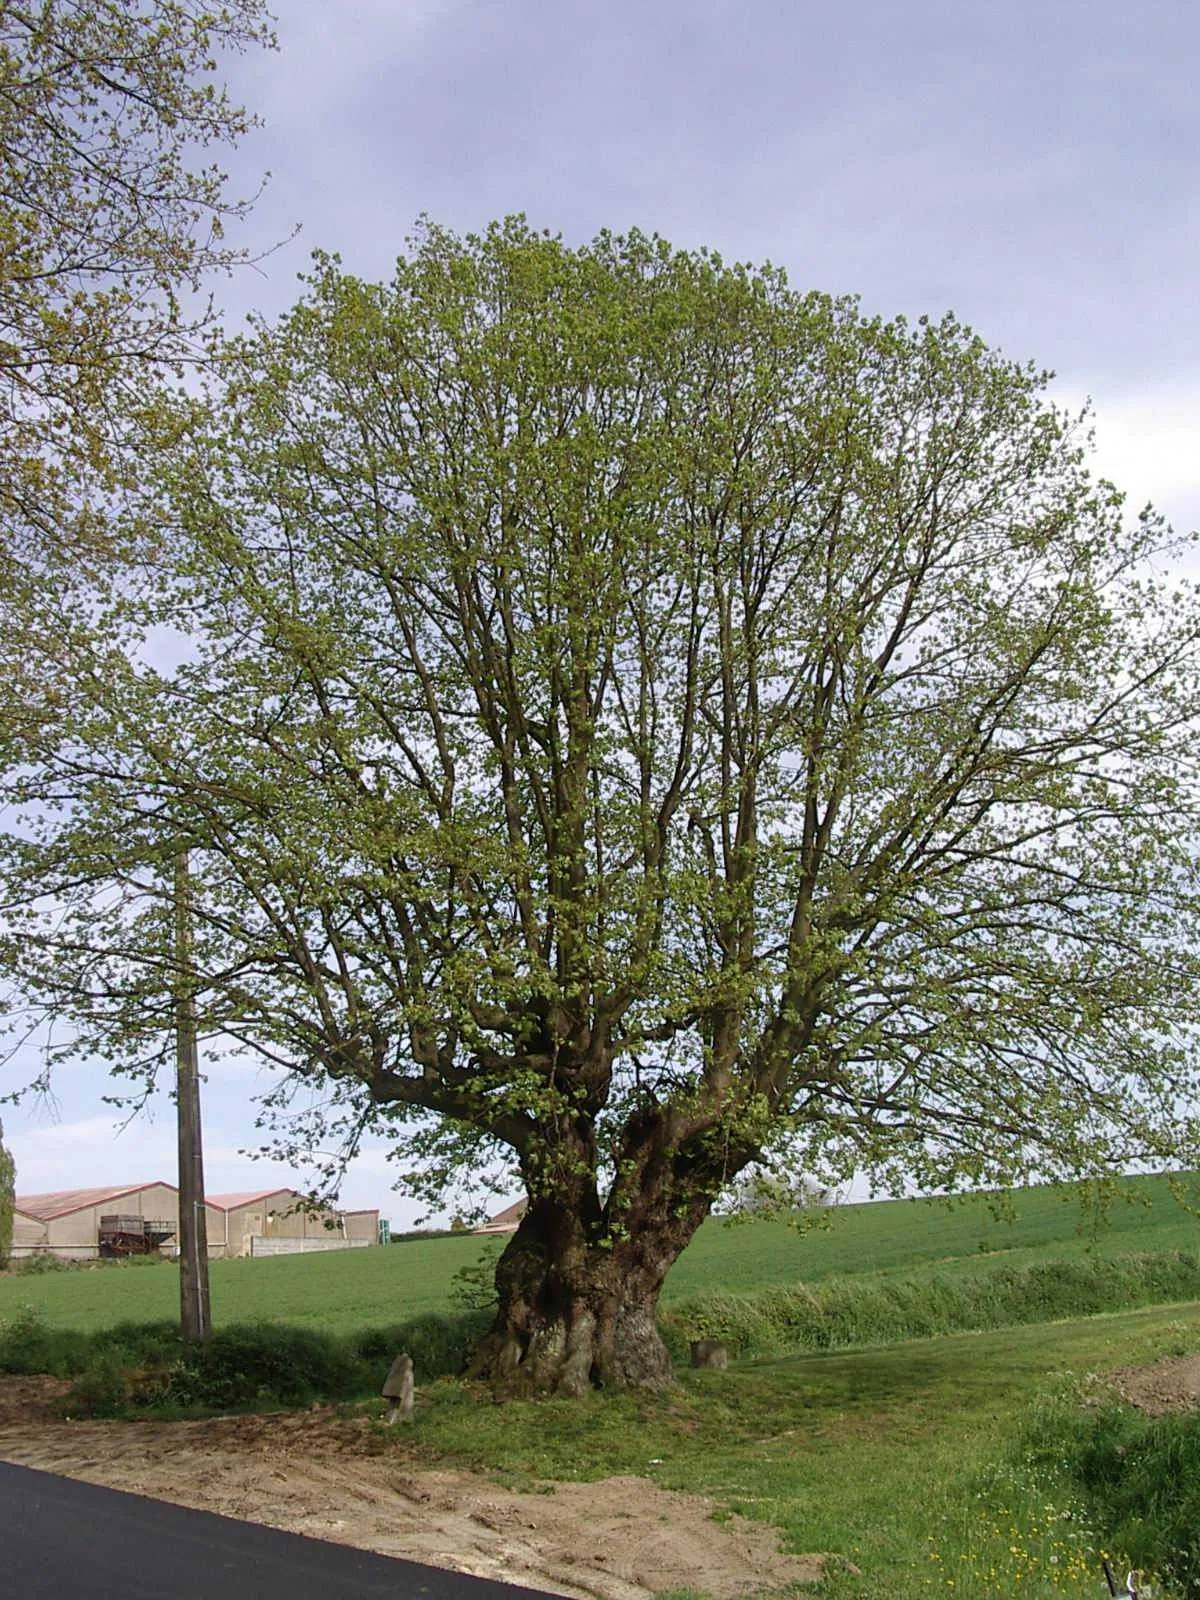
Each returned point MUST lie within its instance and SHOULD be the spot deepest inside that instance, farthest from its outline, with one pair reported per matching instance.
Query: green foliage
(439, 1345)
(474, 1286)
(838, 1312)
(267, 1364)
(28, 1345)
(100, 102)
(39, 1265)
(1138, 1476)
(8, 1176)
(131, 1368)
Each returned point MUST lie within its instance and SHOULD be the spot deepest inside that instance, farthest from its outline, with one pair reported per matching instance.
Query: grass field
(906, 1460)
(340, 1292)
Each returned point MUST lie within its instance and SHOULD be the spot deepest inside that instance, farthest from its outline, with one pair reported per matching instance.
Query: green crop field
(340, 1292)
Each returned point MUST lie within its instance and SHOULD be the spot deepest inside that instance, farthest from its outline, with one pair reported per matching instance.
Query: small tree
(639, 717)
(762, 1191)
(8, 1175)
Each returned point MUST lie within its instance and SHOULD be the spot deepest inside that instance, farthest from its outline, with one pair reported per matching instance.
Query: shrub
(43, 1262)
(880, 1310)
(473, 1287)
(103, 1388)
(439, 1345)
(27, 1345)
(263, 1364)
(1138, 1476)
(137, 1366)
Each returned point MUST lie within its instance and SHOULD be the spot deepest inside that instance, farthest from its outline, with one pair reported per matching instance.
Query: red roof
(44, 1207)
(234, 1202)
(510, 1216)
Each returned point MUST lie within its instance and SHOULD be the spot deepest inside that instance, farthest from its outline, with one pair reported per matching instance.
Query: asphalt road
(64, 1540)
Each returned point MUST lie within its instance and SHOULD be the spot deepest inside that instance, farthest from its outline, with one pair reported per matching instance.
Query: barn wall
(280, 1216)
(77, 1235)
(245, 1221)
(363, 1225)
(214, 1219)
(28, 1234)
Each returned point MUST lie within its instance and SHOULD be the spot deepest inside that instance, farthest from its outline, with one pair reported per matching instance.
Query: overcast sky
(1032, 167)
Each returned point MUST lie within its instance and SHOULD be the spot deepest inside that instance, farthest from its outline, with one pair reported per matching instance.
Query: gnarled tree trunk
(578, 1301)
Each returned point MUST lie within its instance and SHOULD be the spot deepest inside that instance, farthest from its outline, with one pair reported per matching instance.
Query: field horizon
(341, 1291)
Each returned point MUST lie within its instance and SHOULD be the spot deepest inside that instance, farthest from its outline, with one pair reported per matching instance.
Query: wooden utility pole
(194, 1316)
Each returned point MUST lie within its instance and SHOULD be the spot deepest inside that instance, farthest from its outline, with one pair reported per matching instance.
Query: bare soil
(1172, 1384)
(332, 1476)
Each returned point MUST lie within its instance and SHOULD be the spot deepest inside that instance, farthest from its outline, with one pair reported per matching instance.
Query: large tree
(634, 717)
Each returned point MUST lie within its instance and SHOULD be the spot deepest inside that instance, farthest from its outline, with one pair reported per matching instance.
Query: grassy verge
(907, 1462)
(279, 1362)
(1138, 1478)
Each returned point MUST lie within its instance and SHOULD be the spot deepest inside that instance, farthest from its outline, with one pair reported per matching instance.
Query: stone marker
(709, 1353)
(398, 1390)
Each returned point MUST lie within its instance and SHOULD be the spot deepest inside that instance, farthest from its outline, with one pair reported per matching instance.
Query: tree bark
(577, 1305)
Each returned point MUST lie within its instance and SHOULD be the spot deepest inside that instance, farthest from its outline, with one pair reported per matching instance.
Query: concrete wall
(301, 1247)
(281, 1216)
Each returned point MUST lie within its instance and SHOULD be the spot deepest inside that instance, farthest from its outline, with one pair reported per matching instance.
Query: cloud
(90, 1152)
(1145, 443)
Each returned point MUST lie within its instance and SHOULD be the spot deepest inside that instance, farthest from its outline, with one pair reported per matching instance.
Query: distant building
(506, 1221)
(67, 1222)
(80, 1224)
(276, 1222)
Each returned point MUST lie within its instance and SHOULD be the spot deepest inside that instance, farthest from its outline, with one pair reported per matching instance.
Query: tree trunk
(577, 1307)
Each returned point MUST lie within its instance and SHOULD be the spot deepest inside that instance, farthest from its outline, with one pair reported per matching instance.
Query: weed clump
(1138, 1476)
(27, 1345)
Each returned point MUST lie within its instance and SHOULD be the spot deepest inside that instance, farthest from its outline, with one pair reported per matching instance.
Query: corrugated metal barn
(81, 1224)
(276, 1222)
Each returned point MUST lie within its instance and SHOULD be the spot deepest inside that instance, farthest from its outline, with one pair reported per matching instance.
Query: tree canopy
(109, 220)
(634, 717)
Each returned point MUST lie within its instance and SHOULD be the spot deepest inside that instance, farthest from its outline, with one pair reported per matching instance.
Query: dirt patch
(333, 1477)
(26, 1402)
(1172, 1384)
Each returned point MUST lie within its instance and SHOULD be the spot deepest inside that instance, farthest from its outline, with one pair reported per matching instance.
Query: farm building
(275, 1222)
(506, 1221)
(28, 1233)
(71, 1222)
(84, 1223)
